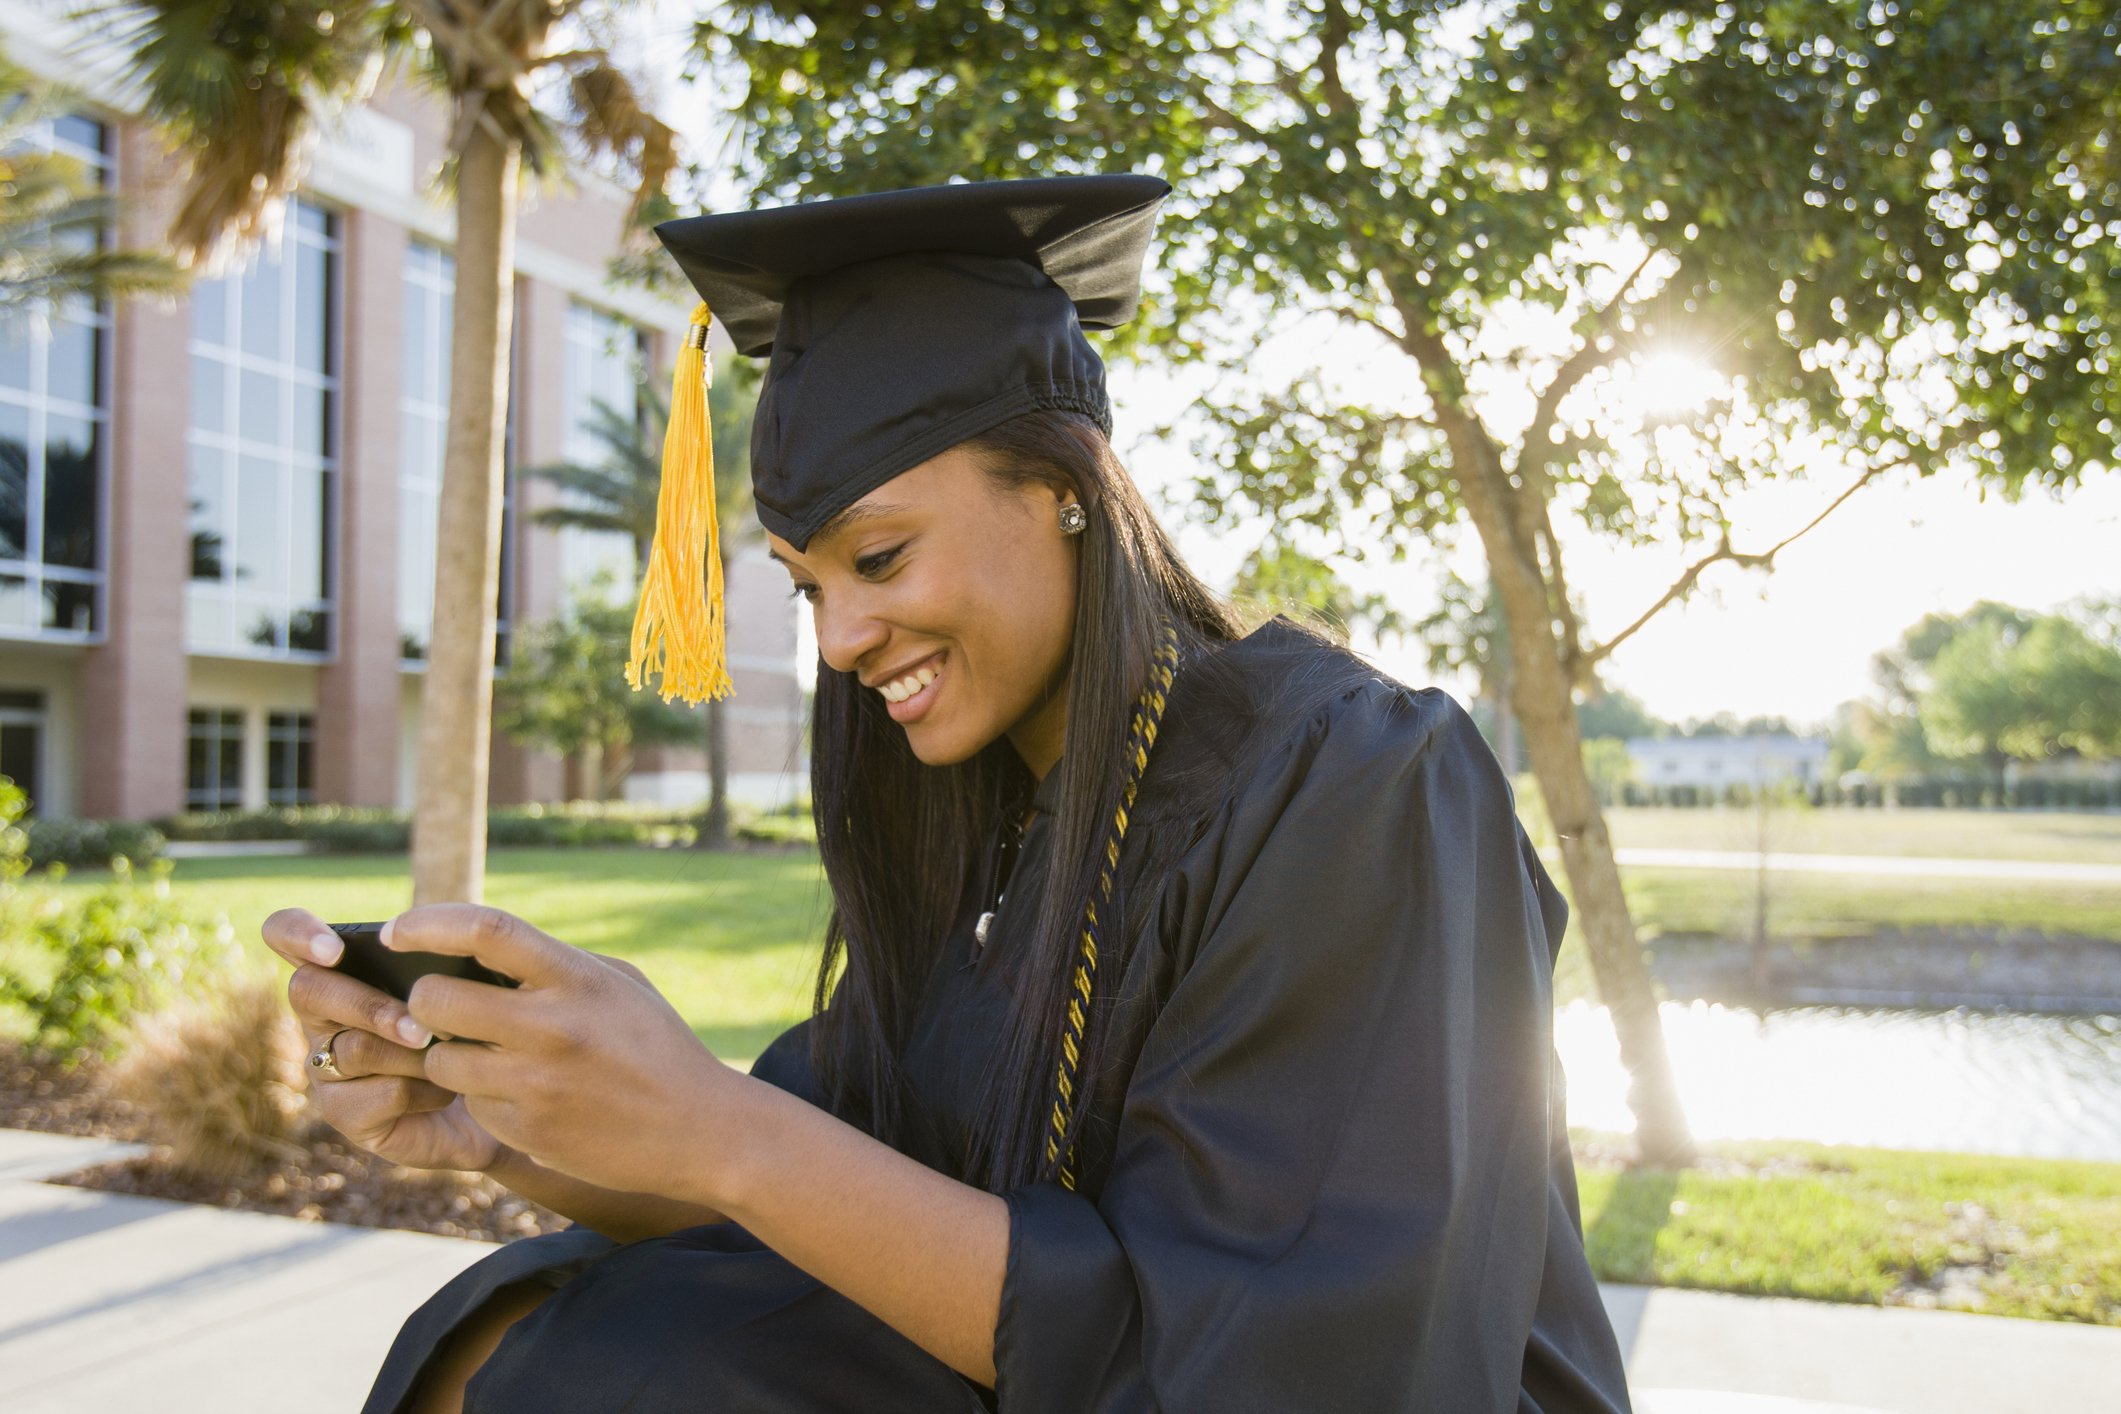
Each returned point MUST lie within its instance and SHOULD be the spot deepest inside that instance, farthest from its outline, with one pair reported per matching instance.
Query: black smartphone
(388, 970)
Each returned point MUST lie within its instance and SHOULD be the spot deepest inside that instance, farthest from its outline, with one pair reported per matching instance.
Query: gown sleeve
(1331, 1182)
(785, 1065)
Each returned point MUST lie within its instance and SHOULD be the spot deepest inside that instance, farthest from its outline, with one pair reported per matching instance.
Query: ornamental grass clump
(218, 1076)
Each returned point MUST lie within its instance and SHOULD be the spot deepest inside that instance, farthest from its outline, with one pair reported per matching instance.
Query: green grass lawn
(2077, 837)
(1802, 905)
(732, 939)
(2033, 1237)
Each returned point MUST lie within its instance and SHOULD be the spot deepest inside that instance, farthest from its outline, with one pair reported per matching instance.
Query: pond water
(1960, 1081)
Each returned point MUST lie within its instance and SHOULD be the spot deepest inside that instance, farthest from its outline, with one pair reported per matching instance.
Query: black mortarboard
(896, 325)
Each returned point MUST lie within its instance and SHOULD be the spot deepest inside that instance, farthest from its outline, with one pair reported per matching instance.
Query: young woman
(1182, 1033)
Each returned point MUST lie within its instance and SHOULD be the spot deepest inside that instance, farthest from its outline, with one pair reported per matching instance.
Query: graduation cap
(895, 326)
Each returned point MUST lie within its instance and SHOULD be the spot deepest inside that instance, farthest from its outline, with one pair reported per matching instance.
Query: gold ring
(322, 1060)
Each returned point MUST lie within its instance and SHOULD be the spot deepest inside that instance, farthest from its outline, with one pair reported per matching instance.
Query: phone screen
(387, 970)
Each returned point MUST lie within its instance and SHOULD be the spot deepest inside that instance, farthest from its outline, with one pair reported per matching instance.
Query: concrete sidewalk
(109, 1302)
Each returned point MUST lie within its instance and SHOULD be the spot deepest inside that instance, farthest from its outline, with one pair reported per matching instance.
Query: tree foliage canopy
(1889, 228)
(1997, 682)
(1894, 226)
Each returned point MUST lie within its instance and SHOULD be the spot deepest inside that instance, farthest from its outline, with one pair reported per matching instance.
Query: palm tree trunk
(714, 826)
(456, 707)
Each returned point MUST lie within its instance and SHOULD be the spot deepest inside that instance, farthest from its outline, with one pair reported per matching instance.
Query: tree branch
(1586, 360)
(1397, 337)
(1535, 456)
(1764, 559)
(1333, 38)
(1241, 126)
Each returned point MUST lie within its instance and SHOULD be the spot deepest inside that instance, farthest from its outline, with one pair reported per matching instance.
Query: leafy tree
(1606, 761)
(1903, 670)
(1280, 577)
(1992, 684)
(1998, 692)
(2075, 674)
(1975, 704)
(239, 85)
(618, 494)
(1730, 724)
(1897, 748)
(1888, 228)
(1467, 633)
(564, 689)
(1617, 714)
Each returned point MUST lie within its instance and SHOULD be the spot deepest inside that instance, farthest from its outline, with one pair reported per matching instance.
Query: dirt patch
(1981, 1248)
(329, 1182)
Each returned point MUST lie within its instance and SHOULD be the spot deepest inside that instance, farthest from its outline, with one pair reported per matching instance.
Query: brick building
(217, 514)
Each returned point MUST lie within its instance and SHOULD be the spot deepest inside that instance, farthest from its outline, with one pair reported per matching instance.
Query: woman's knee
(441, 1387)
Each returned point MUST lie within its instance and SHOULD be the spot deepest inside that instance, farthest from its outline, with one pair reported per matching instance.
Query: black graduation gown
(1328, 1167)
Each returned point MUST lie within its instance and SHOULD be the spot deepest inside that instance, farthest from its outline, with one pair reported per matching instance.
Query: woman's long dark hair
(901, 839)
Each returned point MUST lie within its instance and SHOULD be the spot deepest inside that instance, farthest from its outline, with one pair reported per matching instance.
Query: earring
(1073, 518)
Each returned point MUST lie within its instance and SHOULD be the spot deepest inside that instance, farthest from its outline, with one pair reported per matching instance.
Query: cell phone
(388, 970)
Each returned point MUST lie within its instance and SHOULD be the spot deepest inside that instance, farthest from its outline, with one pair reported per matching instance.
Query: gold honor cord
(1141, 736)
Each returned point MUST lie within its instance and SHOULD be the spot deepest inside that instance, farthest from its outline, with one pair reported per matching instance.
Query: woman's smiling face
(953, 599)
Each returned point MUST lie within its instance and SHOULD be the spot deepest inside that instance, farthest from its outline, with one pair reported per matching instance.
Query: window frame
(308, 225)
(37, 405)
(221, 794)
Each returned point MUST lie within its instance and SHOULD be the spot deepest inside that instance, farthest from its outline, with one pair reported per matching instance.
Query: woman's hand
(385, 1104)
(584, 1067)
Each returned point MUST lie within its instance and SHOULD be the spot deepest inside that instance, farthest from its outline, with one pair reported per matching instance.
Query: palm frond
(619, 492)
(239, 85)
(53, 216)
(610, 121)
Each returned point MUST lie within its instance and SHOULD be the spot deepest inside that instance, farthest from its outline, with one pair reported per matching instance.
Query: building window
(290, 758)
(264, 369)
(430, 288)
(53, 431)
(22, 742)
(214, 772)
(606, 359)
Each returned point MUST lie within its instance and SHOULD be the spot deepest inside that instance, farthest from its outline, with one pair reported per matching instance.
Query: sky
(1795, 643)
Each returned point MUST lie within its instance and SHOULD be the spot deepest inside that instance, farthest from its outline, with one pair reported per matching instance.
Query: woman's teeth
(906, 686)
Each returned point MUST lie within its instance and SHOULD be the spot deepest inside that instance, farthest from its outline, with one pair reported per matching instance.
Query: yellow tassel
(679, 631)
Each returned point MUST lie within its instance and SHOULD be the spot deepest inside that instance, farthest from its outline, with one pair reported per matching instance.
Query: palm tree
(52, 217)
(240, 84)
(617, 494)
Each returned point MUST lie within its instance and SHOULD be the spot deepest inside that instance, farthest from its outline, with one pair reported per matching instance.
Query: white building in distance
(1714, 763)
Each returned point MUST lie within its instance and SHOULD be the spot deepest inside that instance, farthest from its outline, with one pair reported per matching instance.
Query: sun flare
(1668, 382)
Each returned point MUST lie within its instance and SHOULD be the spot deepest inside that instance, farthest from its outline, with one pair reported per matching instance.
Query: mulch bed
(331, 1182)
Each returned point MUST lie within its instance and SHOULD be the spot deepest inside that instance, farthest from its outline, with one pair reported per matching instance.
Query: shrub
(219, 1077)
(118, 949)
(92, 844)
(287, 822)
(778, 828)
(14, 841)
(335, 829)
(359, 836)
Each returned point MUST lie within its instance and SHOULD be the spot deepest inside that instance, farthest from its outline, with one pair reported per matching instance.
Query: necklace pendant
(979, 929)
